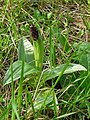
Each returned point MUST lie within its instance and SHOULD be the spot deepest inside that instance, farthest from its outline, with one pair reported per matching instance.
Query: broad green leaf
(83, 53)
(39, 102)
(17, 66)
(85, 60)
(54, 72)
(83, 56)
(26, 51)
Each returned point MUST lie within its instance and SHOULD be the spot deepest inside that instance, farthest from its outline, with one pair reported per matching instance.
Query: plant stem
(20, 87)
(38, 53)
(13, 114)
